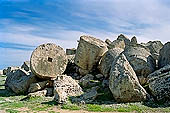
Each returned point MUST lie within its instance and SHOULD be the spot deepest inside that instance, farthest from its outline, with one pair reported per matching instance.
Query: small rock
(117, 44)
(108, 41)
(89, 52)
(38, 94)
(50, 91)
(134, 40)
(5, 71)
(12, 68)
(26, 66)
(71, 51)
(99, 76)
(37, 86)
(126, 39)
(85, 81)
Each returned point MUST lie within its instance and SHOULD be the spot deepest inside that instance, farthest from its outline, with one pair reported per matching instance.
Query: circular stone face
(48, 61)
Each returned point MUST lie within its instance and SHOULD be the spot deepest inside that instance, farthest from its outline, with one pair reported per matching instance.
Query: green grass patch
(71, 107)
(12, 105)
(12, 111)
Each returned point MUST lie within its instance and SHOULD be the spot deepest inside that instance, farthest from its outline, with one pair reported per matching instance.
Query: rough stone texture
(37, 86)
(71, 58)
(85, 81)
(20, 80)
(48, 61)
(89, 52)
(154, 47)
(12, 68)
(50, 91)
(99, 76)
(38, 93)
(108, 41)
(89, 96)
(124, 83)
(65, 86)
(126, 39)
(71, 51)
(134, 40)
(117, 44)
(5, 71)
(159, 84)
(141, 61)
(164, 57)
(26, 66)
(107, 59)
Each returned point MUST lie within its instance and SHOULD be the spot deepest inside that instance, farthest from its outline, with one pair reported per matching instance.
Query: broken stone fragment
(89, 52)
(20, 80)
(124, 83)
(141, 61)
(26, 66)
(107, 60)
(71, 51)
(48, 61)
(37, 86)
(164, 57)
(65, 86)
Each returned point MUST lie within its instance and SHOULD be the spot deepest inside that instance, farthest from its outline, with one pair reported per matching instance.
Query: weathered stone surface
(108, 41)
(65, 86)
(126, 39)
(89, 96)
(71, 51)
(141, 61)
(164, 57)
(5, 71)
(159, 84)
(26, 66)
(12, 68)
(107, 59)
(38, 94)
(117, 44)
(154, 48)
(20, 80)
(85, 81)
(37, 86)
(50, 91)
(99, 76)
(89, 52)
(124, 83)
(48, 61)
(134, 40)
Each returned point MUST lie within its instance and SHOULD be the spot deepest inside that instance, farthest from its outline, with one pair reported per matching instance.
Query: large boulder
(37, 86)
(11, 68)
(154, 48)
(164, 57)
(159, 84)
(107, 60)
(124, 83)
(65, 86)
(89, 52)
(141, 61)
(20, 80)
(26, 66)
(48, 61)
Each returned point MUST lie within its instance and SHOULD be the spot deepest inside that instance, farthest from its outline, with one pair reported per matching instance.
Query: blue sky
(25, 24)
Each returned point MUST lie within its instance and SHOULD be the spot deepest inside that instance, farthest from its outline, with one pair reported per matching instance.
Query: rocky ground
(12, 103)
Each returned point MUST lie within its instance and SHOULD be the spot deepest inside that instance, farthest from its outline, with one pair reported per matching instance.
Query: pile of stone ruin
(130, 71)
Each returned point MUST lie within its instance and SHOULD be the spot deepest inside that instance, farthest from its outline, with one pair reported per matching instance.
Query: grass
(12, 103)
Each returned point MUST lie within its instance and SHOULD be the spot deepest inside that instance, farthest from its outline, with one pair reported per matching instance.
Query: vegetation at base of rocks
(11, 103)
